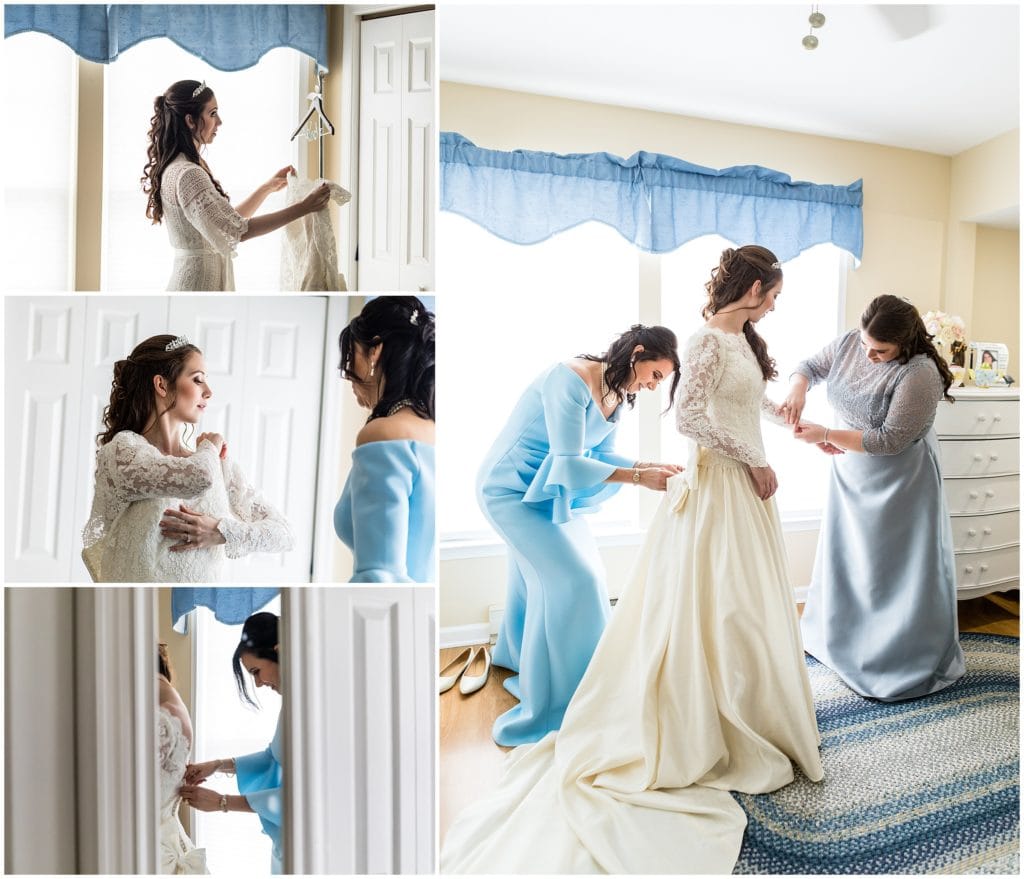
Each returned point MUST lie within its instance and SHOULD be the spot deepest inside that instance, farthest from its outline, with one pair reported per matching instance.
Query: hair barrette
(414, 317)
(776, 265)
(199, 90)
(177, 342)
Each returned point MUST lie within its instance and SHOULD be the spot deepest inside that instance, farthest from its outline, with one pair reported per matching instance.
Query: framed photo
(989, 355)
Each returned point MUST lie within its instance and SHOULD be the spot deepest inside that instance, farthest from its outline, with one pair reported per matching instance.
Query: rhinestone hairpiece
(197, 92)
(414, 317)
(177, 342)
(776, 265)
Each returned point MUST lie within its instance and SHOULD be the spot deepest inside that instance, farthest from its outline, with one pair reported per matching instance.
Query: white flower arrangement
(946, 328)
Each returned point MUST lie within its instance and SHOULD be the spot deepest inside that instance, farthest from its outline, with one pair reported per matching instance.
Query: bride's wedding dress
(697, 687)
(177, 854)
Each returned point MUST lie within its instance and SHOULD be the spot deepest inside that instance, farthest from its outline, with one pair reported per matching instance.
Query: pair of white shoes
(468, 683)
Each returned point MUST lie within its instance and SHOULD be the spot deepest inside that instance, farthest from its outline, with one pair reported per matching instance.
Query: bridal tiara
(177, 342)
(199, 90)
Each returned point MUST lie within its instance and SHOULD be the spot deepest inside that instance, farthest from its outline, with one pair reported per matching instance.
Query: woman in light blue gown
(386, 511)
(259, 776)
(553, 460)
(881, 611)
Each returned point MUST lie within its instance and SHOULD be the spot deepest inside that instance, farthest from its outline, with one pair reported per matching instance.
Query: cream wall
(908, 250)
(996, 299)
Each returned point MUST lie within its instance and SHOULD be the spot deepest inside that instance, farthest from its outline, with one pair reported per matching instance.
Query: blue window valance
(655, 201)
(230, 604)
(226, 36)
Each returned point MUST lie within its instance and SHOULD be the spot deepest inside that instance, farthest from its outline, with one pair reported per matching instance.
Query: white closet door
(419, 147)
(43, 390)
(360, 738)
(114, 325)
(263, 358)
(380, 153)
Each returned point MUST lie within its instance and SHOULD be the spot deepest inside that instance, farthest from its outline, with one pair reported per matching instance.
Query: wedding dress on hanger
(309, 254)
(177, 853)
(698, 685)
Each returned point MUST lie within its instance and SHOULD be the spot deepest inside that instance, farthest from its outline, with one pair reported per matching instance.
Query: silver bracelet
(826, 435)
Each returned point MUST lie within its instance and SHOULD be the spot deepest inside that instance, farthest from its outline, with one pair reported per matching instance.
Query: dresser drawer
(990, 566)
(985, 532)
(980, 457)
(971, 418)
(984, 495)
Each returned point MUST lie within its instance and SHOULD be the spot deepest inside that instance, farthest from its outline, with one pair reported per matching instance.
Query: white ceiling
(946, 89)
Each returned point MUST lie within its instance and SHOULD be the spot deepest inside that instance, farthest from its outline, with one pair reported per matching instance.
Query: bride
(141, 530)
(174, 731)
(698, 685)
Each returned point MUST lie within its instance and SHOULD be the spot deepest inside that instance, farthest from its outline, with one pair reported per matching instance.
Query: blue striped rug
(926, 786)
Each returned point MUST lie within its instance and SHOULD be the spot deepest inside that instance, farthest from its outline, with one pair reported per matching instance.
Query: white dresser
(980, 449)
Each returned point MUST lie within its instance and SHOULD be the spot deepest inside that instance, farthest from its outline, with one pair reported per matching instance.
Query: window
(40, 153)
(225, 727)
(260, 109)
(518, 312)
(808, 309)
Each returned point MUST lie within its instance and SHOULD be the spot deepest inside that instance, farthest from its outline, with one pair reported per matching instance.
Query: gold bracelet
(636, 476)
(223, 802)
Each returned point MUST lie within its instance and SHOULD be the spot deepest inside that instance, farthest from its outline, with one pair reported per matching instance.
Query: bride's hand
(201, 798)
(765, 481)
(196, 773)
(280, 179)
(218, 442)
(192, 530)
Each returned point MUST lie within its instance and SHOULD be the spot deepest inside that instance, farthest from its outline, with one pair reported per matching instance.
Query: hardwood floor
(471, 762)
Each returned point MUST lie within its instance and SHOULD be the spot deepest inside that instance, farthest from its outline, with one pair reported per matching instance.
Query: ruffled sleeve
(258, 526)
(911, 410)
(259, 777)
(382, 481)
(209, 212)
(569, 476)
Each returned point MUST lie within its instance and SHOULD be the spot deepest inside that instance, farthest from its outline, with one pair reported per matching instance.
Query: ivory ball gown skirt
(697, 687)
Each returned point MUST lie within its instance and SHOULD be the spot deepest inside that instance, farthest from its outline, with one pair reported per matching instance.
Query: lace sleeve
(816, 369)
(771, 411)
(211, 214)
(259, 527)
(141, 471)
(703, 361)
(911, 411)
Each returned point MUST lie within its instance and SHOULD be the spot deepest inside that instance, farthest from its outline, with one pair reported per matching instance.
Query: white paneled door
(397, 152)
(264, 358)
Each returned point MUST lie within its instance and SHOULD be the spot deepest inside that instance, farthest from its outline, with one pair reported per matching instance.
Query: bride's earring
(371, 369)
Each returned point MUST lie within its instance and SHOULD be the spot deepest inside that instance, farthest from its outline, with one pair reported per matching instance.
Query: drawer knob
(969, 569)
(971, 532)
(973, 495)
(977, 457)
(982, 418)
(987, 531)
(997, 417)
(984, 568)
(989, 493)
(993, 457)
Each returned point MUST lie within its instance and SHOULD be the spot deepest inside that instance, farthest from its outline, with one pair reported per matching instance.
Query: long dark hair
(895, 321)
(131, 391)
(259, 639)
(659, 344)
(163, 663)
(735, 274)
(404, 328)
(169, 137)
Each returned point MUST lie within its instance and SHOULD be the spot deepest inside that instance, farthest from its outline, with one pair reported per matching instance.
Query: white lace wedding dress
(177, 853)
(135, 483)
(309, 254)
(697, 687)
(203, 227)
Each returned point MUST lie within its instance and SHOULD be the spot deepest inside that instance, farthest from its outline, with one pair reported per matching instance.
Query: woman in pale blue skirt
(553, 460)
(881, 610)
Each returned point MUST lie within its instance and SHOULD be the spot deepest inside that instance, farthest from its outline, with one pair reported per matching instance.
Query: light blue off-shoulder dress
(386, 512)
(259, 779)
(881, 611)
(549, 464)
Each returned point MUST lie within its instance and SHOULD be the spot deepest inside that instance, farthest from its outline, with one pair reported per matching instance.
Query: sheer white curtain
(225, 727)
(514, 311)
(40, 131)
(806, 316)
(260, 106)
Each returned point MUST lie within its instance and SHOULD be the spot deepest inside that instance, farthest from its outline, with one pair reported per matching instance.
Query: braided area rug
(925, 786)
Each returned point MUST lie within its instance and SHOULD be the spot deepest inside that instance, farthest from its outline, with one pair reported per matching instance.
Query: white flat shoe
(446, 682)
(472, 683)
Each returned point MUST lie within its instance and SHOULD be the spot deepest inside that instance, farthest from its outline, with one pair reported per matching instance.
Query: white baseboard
(464, 636)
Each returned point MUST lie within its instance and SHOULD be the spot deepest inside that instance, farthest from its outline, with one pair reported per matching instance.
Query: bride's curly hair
(735, 274)
(169, 137)
(259, 639)
(659, 343)
(131, 392)
(163, 663)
